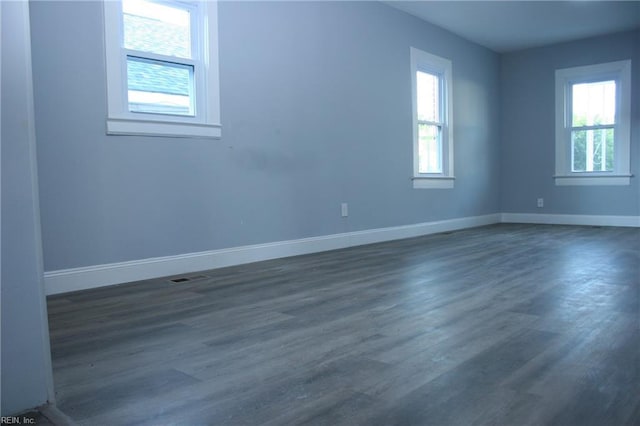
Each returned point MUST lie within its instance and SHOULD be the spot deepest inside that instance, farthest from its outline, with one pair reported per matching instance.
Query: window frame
(565, 78)
(205, 123)
(441, 67)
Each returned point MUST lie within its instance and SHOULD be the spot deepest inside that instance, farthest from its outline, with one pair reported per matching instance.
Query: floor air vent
(179, 280)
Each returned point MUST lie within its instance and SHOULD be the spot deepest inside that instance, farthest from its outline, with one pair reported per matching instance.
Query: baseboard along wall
(571, 219)
(83, 278)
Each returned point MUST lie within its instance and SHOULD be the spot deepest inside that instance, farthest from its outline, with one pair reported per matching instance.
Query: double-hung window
(432, 120)
(593, 124)
(162, 68)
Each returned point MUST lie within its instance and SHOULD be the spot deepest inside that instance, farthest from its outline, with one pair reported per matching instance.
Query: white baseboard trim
(571, 219)
(67, 280)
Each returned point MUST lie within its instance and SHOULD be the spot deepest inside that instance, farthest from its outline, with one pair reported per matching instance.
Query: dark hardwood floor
(499, 325)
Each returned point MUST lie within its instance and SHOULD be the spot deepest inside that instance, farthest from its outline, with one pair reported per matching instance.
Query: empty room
(320, 212)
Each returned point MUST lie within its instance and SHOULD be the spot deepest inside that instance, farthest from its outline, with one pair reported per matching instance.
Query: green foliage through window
(592, 126)
(592, 150)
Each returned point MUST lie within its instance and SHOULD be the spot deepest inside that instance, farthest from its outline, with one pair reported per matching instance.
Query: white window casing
(442, 68)
(620, 72)
(205, 120)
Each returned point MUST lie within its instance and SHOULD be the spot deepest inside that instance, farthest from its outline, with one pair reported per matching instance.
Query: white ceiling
(508, 25)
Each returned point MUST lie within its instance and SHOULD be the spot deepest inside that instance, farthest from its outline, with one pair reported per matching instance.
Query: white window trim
(120, 121)
(423, 61)
(621, 174)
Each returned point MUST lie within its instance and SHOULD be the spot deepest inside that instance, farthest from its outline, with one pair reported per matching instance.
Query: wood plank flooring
(499, 325)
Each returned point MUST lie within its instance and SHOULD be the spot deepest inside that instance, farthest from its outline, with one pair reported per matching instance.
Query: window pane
(428, 95)
(160, 87)
(592, 150)
(157, 28)
(594, 103)
(429, 149)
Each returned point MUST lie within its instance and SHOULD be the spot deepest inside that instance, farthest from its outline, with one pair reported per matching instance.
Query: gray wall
(26, 362)
(316, 110)
(528, 129)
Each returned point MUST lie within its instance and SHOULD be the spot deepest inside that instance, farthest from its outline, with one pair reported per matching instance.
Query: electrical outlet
(540, 202)
(345, 209)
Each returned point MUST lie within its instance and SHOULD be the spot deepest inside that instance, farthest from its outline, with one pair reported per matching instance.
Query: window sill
(592, 180)
(433, 182)
(135, 127)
